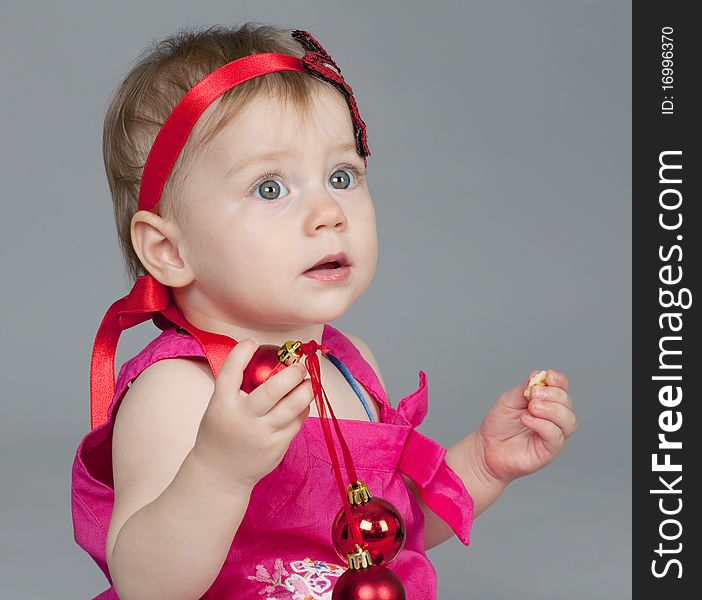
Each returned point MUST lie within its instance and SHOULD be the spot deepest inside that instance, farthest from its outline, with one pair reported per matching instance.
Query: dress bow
(423, 461)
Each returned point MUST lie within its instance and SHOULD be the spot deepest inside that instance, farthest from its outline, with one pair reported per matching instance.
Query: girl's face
(272, 195)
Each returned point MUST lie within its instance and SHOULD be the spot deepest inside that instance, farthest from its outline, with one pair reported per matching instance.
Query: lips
(331, 261)
(326, 265)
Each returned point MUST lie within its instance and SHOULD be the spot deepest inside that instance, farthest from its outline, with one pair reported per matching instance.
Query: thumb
(515, 398)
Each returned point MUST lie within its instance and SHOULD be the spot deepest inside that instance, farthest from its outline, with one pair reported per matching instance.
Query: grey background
(500, 134)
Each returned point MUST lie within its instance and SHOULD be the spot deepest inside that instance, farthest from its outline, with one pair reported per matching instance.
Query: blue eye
(269, 186)
(341, 177)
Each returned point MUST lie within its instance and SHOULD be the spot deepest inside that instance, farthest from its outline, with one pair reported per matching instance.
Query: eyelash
(358, 174)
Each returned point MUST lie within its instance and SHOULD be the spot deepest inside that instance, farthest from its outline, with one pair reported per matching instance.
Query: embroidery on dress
(310, 579)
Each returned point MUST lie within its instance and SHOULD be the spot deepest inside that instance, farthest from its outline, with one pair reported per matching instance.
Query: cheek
(370, 232)
(213, 244)
(257, 255)
(366, 238)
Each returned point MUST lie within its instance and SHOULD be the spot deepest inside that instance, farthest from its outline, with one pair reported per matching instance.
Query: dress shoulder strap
(94, 454)
(345, 350)
(169, 344)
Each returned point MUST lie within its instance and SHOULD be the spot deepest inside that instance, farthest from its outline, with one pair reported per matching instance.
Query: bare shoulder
(367, 354)
(155, 428)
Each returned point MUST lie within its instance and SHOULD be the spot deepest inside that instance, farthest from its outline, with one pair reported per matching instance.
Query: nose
(325, 211)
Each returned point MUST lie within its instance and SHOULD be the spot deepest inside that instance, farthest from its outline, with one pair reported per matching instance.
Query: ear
(158, 244)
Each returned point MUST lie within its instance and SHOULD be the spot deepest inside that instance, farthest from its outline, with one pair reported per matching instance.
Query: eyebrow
(276, 154)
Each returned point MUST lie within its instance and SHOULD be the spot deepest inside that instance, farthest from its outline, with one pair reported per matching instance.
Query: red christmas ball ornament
(268, 360)
(379, 522)
(365, 581)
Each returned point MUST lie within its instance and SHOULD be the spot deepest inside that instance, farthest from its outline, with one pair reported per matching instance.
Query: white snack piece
(538, 379)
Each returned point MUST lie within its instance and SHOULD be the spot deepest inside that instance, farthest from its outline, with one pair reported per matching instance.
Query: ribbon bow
(318, 62)
(148, 299)
(423, 461)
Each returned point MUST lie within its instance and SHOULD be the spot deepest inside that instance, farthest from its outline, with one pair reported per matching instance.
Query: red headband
(175, 130)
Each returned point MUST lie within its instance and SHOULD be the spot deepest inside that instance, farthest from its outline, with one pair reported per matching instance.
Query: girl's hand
(243, 437)
(521, 435)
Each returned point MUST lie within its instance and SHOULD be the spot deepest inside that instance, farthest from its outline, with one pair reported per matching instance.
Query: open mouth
(326, 265)
(332, 268)
(330, 262)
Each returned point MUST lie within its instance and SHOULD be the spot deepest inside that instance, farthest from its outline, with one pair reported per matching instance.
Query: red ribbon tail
(146, 297)
(320, 396)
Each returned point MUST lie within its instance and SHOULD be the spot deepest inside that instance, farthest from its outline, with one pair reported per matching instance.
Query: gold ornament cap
(359, 559)
(358, 493)
(288, 353)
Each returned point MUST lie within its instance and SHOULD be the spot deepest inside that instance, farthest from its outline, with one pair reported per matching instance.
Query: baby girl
(249, 221)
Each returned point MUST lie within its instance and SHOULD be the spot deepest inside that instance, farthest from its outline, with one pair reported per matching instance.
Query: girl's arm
(173, 520)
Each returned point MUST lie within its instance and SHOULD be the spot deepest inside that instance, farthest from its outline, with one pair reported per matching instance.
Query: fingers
(551, 434)
(557, 379)
(273, 391)
(550, 410)
(553, 379)
(293, 408)
(230, 376)
(551, 394)
(558, 413)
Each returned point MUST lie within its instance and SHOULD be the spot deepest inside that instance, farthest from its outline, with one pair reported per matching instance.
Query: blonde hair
(159, 78)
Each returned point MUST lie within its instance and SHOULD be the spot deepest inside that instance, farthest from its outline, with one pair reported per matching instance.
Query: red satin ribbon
(177, 127)
(309, 349)
(148, 299)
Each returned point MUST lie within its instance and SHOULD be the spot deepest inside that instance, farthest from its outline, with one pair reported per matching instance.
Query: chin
(327, 316)
(324, 312)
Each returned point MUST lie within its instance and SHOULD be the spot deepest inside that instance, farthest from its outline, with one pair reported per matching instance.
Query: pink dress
(283, 547)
